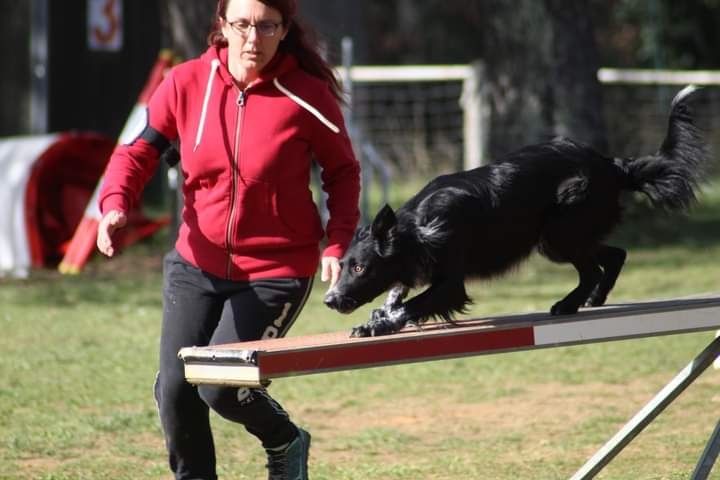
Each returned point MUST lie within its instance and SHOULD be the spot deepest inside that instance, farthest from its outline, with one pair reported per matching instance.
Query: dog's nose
(339, 302)
(331, 300)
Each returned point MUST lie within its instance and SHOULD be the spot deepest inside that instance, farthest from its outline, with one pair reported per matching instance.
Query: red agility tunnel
(48, 181)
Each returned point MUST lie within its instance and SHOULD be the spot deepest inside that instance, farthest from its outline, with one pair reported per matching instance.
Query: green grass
(79, 358)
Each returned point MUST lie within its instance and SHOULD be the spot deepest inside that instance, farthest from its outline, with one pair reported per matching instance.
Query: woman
(249, 115)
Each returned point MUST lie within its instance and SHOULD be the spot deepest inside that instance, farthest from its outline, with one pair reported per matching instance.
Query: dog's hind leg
(611, 259)
(590, 276)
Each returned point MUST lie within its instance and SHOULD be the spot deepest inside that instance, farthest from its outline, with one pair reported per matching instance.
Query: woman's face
(253, 31)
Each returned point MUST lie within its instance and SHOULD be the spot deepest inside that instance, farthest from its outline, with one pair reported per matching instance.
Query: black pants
(200, 309)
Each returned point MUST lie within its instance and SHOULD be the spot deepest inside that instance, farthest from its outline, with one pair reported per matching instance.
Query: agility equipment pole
(648, 413)
(708, 457)
(82, 243)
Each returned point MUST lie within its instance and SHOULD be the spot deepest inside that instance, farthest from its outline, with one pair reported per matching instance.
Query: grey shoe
(290, 463)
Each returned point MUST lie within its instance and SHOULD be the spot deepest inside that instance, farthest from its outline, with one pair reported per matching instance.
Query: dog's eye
(358, 268)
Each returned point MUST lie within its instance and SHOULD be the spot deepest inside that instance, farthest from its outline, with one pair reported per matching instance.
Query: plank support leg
(708, 457)
(648, 413)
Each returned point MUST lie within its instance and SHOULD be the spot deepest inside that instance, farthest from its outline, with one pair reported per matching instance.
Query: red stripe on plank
(402, 350)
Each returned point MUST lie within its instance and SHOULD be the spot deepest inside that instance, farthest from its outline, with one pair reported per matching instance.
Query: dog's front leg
(387, 319)
(395, 296)
(442, 299)
(382, 321)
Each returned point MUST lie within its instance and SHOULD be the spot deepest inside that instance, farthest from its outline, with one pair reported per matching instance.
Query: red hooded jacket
(246, 161)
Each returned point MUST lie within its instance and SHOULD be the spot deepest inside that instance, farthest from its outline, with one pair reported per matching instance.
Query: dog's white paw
(381, 322)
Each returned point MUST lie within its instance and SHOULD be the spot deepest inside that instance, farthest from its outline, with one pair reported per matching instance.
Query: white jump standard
(256, 363)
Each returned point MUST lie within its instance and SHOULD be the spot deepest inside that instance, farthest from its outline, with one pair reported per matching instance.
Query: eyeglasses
(265, 28)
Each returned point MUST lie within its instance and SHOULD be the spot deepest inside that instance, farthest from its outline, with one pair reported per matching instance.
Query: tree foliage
(659, 33)
(541, 57)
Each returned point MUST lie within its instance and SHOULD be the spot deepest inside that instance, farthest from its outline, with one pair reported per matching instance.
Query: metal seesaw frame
(254, 364)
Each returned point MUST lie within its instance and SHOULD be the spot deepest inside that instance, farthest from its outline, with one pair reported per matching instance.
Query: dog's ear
(382, 230)
(383, 222)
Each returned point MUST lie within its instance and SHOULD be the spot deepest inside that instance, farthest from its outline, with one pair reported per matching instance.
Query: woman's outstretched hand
(110, 222)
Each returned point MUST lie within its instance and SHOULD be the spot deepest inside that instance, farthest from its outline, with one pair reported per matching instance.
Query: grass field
(78, 358)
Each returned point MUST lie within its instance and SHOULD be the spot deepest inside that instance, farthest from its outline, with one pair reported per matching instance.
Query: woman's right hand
(111, 221)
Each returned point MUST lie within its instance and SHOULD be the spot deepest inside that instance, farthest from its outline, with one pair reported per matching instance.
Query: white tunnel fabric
(17, 157)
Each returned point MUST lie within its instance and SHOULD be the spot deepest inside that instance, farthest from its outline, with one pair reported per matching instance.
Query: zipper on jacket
(235, 179)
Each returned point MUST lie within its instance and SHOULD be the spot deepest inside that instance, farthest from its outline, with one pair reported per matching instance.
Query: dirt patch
(541, 420)
(104, 445)
(36, 465)
(141, 261)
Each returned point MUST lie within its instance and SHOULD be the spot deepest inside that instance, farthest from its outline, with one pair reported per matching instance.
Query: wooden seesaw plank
(256, 363)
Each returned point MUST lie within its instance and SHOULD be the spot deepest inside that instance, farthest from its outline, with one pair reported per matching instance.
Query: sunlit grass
(79, 357)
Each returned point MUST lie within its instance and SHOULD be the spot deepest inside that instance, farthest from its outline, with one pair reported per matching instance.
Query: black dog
(560, 197)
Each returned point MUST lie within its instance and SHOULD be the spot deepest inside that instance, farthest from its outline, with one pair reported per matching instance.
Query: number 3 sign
(105, 25)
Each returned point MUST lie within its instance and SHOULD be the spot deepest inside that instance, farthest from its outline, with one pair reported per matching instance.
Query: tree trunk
(542, 63)
(15, 80)
(516, 53)
(577, 93)
(186, 25)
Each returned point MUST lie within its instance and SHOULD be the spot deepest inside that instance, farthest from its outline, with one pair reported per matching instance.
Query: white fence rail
(658, 77)
(413, 129)
(471, 101)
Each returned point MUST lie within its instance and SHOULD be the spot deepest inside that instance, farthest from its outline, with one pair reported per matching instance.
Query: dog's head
(370, 266)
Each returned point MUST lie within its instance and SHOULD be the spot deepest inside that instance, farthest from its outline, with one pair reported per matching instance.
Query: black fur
(561, 198)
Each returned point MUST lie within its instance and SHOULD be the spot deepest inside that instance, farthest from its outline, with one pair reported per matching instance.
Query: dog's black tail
(670, 177)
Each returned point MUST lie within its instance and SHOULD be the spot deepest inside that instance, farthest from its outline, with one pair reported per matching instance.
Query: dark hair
(300, 41)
